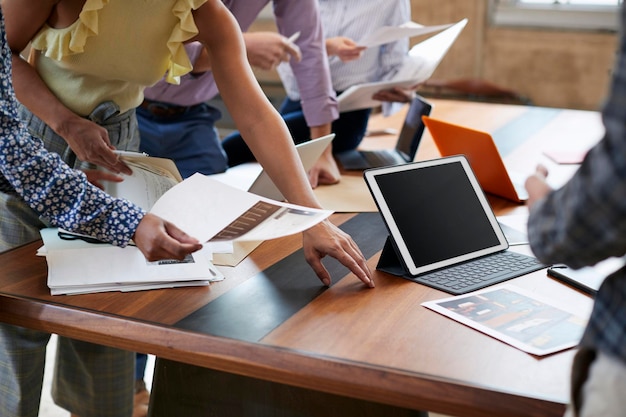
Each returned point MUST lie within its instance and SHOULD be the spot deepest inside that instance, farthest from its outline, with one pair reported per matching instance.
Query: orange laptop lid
(480, 149)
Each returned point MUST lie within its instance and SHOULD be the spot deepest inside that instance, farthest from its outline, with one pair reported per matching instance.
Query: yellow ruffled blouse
(114, 51)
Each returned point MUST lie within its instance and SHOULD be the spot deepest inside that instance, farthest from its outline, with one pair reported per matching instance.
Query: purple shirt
(319, 102)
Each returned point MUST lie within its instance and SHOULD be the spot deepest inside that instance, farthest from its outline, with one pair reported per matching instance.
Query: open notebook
(442, 231)
(406, 145)
(482, 153)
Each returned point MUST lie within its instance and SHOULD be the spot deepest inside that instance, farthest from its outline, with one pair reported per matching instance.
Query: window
(599, 15)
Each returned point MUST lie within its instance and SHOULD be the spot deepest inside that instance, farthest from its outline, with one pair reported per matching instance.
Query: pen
(294, 37)
(129, 153)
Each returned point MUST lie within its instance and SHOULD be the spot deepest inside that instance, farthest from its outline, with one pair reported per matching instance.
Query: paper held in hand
(418, 66)
(387, 34)
(203, 207)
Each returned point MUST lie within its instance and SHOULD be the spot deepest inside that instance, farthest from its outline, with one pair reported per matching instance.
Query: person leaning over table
(90, 61)
(343, 21)
(175, 120)
(583, 223)
(63, 197)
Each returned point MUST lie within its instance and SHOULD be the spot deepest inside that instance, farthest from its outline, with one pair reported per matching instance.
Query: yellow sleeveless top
(114, 51)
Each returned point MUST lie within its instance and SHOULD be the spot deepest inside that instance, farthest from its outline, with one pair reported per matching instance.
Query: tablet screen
(436, 213)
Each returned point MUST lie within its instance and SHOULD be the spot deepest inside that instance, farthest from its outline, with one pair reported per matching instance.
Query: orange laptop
(482, 153)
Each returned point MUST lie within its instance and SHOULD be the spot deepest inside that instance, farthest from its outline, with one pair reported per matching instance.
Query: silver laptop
(253, 178)
(442, 231)
(406, 146)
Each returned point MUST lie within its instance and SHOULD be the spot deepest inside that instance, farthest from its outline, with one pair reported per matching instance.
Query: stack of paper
(204, 208)
(78, 267)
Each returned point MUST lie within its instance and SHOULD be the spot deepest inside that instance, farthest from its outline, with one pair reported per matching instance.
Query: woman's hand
(159, 239)
(90, 142)
(327, 239)
(96, 176)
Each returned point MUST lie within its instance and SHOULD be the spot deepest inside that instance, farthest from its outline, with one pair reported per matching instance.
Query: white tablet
(436, 213)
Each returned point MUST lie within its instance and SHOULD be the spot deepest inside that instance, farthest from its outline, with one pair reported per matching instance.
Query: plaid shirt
(58, 194)
(584, 222)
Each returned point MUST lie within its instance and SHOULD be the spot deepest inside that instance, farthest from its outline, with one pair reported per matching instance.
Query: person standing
(176, 122)
(580, 224)
(344, 22)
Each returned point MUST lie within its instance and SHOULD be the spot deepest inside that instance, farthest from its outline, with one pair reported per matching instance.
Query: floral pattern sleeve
(58, 194)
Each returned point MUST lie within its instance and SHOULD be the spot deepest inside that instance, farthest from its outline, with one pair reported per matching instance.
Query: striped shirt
(354, 19)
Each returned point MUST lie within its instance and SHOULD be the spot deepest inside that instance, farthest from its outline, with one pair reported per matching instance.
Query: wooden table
(270, 330)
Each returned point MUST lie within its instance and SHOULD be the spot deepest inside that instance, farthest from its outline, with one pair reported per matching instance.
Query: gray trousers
(89, 380)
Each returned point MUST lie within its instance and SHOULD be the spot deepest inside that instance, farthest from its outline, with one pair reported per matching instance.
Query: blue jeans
(190, 139)
(349, 131)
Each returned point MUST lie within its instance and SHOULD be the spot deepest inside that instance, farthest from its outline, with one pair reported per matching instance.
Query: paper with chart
(516, 317)
(419, 65)
(208, 209)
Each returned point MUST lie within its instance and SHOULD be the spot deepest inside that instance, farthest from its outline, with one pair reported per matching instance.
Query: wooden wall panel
(554, 68)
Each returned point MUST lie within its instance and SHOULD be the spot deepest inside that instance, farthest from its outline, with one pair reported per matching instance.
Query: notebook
(442, 231)
(483, 155)
(253, 178)
(406, 146)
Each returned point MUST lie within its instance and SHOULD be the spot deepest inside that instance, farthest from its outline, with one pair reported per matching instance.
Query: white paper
(75, 266)
(516, 317)
(420, 64)
(204, 207)
(240, 176)
(387, 34)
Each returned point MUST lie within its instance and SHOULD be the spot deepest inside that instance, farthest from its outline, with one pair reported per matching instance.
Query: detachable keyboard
(479, 273)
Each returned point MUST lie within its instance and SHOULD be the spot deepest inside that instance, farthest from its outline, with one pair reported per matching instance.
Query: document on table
(205, 208)
(420, 64)
(516, 317)
(78, 267)
(387, 34)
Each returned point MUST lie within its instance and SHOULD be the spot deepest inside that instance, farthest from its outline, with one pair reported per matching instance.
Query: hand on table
(327, 239)
(159, 239)
(325, 171)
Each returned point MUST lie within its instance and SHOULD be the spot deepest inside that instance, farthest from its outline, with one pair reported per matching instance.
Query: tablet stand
(390, 262)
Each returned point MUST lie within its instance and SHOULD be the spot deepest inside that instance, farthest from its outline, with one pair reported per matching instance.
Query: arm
(344, 48)
(265, 50)
(260, 123)
(319, 101)
(584, 221)
(89, 141)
